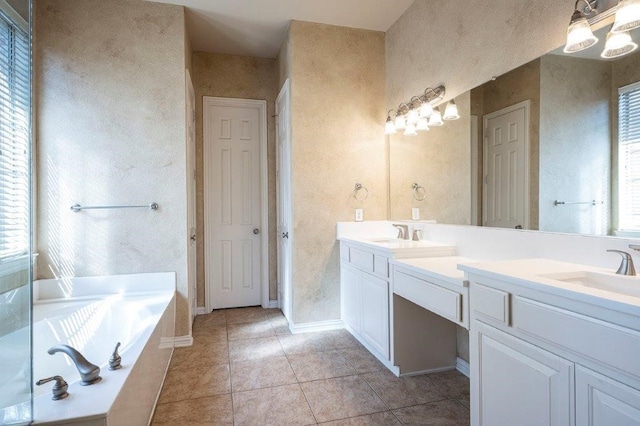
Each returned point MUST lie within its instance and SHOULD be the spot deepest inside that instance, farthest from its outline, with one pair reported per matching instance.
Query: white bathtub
(92, 315)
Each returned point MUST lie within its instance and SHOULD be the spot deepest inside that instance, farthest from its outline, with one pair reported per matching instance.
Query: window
(14, 139)
(629, 157)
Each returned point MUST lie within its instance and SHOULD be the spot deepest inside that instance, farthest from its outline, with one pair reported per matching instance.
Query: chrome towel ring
(419, 193)
(357, 190)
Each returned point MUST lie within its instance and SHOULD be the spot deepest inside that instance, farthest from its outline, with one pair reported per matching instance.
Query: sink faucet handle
(626, 266)
(635, 247)
(59, 389)
(114, 361)
(417, 234)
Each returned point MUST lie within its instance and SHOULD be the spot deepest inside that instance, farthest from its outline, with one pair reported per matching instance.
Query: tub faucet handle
(114, 361)
(59, 389)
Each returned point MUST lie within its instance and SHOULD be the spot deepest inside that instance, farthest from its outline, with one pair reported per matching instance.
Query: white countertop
(392, 245)
(530, 273)
(442, 268)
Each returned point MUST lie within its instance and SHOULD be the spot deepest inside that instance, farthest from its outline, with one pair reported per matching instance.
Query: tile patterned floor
(246, 368)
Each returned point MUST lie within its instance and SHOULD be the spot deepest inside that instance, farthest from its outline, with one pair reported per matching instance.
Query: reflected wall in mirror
(565, 108)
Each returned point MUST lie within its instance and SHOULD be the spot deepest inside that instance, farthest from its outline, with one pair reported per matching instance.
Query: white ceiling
(258, 27)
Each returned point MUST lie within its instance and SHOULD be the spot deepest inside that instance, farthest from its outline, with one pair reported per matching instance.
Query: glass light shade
(451, 111)
(627, 16)
(423, 124)
(579, 34)
(412, 116)
(435, 119)
(400, 122)
(410, 130)
(389, 127)
(618, 44)
(426, 109)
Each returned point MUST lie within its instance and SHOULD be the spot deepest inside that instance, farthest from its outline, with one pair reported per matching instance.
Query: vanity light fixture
(423, 124)
(618, 44)
(410, 130)
(579, 34)
(412, 115)
(627, 16)
(389, 126)
(435, 119)
(451, 111)
(401, 119)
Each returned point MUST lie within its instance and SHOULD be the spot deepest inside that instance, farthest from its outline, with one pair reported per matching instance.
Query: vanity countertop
(396, 246)
(441, 268)
(598, 286)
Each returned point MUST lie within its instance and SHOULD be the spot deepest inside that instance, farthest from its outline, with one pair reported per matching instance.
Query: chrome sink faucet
(403, 231)
(89, 373)
(626, 266)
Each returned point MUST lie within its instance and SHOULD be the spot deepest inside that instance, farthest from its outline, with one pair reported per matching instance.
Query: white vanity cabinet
(549, 357)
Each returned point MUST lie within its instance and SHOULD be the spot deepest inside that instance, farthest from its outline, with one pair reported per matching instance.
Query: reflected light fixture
(410, 130)
(618, 44)
(579, 34)
(423, 124)
(436, 118)
(389, 126)
(412, 115)
(451, 111)
(627, 16)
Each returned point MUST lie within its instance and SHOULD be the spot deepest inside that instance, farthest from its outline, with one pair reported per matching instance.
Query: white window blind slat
(629, 157)
(14, 139)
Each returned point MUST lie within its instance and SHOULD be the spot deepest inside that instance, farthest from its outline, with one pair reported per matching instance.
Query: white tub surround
(546, 349)
(92, 315)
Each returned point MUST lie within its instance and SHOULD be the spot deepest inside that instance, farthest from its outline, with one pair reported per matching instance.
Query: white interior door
(233, 133)
(283, 177)
(191, 195)
(505, 196)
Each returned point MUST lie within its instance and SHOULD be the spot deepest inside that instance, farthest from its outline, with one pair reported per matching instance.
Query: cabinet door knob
(256, 231)
(285, 235)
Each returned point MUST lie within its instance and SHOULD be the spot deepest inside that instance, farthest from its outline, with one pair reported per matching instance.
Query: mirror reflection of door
(505, 173)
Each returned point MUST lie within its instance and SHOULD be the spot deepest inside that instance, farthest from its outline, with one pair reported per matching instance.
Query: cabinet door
(601, 401)
(351, 293)
(516, 383)
(375, 313)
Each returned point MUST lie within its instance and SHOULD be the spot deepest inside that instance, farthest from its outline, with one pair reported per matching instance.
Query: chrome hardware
(89, 373)
(59, 389)
(403, 231)
(285, 235)
(193, 237)
(417, 235)
(256, 231)
(114, 361)
(518, 226)
(635, 247)
(357, 190)
(563, 203)
(626, 266)
(417, 191)
(77, 207)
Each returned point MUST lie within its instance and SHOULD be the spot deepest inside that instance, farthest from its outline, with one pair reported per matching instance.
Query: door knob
(518, 226)
(193, 237)
(256, 231)
(285, 235)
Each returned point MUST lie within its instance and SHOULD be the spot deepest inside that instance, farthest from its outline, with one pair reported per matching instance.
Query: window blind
(629, 157)
(14, 139)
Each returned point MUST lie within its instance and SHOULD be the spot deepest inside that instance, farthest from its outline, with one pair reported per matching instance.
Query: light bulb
(579, 34)
(426, 109)
(618, 44)
(389, 127)
(400, 122)
(412, 116)
(627, 16)
(410, 130)
(436, 118)
(423, 124)
(451, 111)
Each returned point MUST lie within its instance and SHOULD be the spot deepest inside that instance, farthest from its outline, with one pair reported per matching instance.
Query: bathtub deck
(245, 367)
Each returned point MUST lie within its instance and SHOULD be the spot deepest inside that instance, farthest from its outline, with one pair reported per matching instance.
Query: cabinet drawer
(598, 340)
(361, 259)
(430, 296)
(490, 302)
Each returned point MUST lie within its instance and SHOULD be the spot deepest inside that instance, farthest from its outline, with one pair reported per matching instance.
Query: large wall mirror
(537, 147)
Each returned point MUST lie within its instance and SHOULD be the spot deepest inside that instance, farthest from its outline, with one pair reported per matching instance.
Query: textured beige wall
(338, 86)
(110, 107)
(231, 76)
(437, 160)
(575, 143)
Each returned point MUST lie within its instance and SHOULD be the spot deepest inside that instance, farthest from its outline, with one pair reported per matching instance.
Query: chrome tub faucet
(89, 373)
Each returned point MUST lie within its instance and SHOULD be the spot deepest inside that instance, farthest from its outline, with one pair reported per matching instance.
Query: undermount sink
(387, 240)
(623, 284)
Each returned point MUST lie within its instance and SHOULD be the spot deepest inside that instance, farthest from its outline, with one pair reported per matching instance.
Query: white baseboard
(463, 367)
(308, 327)
(182, 341)
(272, 304)
(432, 370)
(201, 310)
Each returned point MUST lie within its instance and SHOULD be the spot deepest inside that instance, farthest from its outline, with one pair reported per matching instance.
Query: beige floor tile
(441, 413)
(320, 365)
(211, 334)
(200, 355)
(362, 360)
(214, 318)
(343, 339)
(244, 350)
(242, 315)
(274, 313)
(282, 405)
(306, 342)
(261, 373)
(379, 419)
(216, 410)
(280, 325)
(453, 383)
(340, 398)
(251, 330)
(405, 391)
(193, 383)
